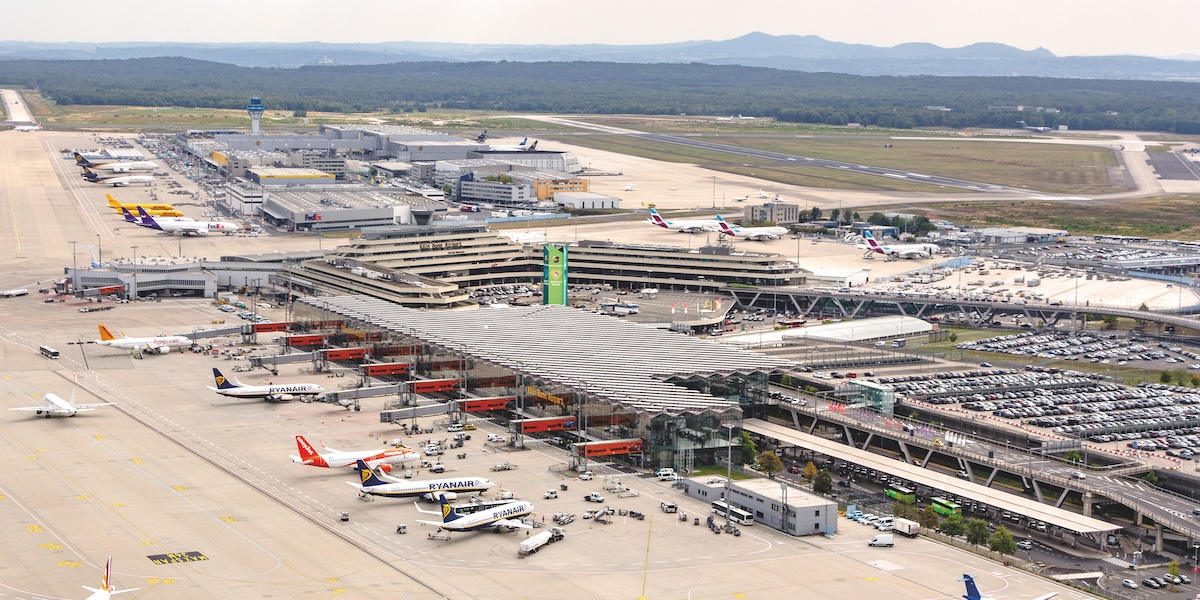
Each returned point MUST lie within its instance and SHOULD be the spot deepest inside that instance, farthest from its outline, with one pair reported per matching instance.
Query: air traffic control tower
(255, 109)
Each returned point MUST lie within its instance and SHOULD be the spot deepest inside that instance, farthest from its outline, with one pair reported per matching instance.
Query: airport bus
(901, 493)
(945, 507)
(736, 514)
(48, 352)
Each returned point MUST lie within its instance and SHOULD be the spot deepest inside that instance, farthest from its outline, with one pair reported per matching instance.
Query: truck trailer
(906, 527)
(533, 544)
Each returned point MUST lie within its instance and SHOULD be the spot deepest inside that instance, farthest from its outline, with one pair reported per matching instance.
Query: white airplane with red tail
(330, 458)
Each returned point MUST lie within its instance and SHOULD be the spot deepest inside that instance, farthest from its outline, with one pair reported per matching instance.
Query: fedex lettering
(312, 216)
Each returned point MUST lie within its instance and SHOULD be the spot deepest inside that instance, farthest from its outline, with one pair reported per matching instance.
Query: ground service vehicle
(884, 539)
(906, 527)
(14, 293)
(48, 352)
(535, 543)
(594, 497)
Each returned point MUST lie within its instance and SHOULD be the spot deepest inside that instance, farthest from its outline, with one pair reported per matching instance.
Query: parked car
(1150, 583)
(1129, 583)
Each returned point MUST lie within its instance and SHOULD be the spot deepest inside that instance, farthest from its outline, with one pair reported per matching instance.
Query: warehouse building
(773, 503)
(288, 176)
(586, 200)
(342, 207)
(546, 184)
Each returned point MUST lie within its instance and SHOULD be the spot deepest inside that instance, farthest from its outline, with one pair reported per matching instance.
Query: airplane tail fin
(308, 455)
(870, 240)
(368, 476)
(523, 142)
(113, 201)
(448, 513)
(129, 218)
(657, 218)
(105, 334)
(532, 147)
(725, 229)
(972, 591)
(148, 218)
(225, 384)
(80, 160)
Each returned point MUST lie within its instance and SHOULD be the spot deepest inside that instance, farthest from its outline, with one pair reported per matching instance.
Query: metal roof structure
(597, 356)
(1024, 506)
(861, 330)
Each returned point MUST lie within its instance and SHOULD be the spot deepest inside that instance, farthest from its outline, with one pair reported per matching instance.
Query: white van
(885, 523)
(883, 539)
(455, 428)
(666, 474)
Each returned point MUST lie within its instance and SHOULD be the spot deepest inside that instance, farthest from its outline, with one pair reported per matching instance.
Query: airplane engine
(284, 397)
(386, 468)
(164, 350)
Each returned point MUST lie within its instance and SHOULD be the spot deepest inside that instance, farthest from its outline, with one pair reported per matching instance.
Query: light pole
(134, 295)
(74, 267)
(728, 475)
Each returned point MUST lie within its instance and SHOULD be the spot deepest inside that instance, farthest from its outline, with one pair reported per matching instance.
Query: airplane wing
(33, 408)
(511, 524)
(434, 523)
(92, 406)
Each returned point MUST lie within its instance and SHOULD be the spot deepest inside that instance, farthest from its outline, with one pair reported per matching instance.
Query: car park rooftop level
(609, 359)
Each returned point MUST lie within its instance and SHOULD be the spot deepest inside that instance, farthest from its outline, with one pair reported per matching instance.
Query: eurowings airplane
(28, 128)
(173, 226)
(269, 392)
(973, 591)
(57, 407)
(900, 250)
(752, 233)
(107, 590)
(524, 145)
(390, 487)
(333, 459)
(158, 345)
(158, 210)
(1032, 128)
(683, 226)
(116, 180)
(504, 515)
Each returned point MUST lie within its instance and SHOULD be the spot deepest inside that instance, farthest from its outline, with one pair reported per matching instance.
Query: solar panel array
(597, 356)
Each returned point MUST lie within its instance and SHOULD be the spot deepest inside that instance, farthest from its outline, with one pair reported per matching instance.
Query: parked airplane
(158, 345)
(116, 180)
(745, 118)
(503, 515)
(57, 407)
(107, 590)
(762, 194)
(751, 233)
(482, 137)
(729, 118)
(332, 459)
(124, 166)
(630, 188)
(94, 159)
(95, 263)
(28, 128)
(509, 148)
(269, 392)
(188, 226)
(899, 250)
(695, 226)
(1032, 128)
(391, 487)
(158, 210)
(973, 591)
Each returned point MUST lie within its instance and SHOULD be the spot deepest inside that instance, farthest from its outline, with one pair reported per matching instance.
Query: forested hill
(593, 87)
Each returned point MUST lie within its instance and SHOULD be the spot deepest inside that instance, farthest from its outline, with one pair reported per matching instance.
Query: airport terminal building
(655, 399)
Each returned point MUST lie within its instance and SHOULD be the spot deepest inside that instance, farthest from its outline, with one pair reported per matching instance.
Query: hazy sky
(1065, 27)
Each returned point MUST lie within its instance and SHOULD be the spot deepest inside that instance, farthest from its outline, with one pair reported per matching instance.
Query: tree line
(618, 88)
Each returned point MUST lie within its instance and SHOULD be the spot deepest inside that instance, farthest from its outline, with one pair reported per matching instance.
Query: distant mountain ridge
(791, 52)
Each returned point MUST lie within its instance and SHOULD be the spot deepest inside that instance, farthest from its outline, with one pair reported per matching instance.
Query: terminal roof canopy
(606, 358)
